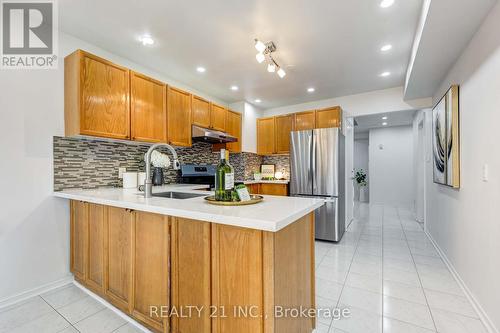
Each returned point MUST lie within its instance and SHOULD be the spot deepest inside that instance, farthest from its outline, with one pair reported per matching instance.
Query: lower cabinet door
(96, 247)
(191, 281)
(79, 239)
(151, 270)
(237, 273)
(119, 257)
(274, 189)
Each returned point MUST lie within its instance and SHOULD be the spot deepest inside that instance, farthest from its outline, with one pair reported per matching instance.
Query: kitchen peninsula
(236, 265)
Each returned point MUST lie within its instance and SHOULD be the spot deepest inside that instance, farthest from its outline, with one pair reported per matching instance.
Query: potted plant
(360, 177)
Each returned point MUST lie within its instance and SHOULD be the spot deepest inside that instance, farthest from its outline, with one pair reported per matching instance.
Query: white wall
(349, 166)
(373, 102)
(34, 226)
(361, 162)
(391, 168)
(465, 223)
(249, 125)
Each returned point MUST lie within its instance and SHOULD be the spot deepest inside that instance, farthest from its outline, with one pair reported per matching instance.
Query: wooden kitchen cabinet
(151, 269)
(153, 260)
(253, 188)
(148, 109)
(120, 257)
(274, 189)
(266, 136)
(218, 117)
(79, 230)
(233, 127)
(95, 276)
(96, 99)
(329, 117)
(178, 117)
(191, 273)
(284, 125)
(201, 112)
(268, 188)
(305, 121)
(237, 261)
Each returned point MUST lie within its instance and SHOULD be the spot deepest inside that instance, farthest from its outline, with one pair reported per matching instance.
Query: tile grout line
(418, 274)
(70, 324)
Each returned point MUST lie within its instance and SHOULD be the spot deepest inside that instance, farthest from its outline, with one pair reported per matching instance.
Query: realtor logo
(29, 37)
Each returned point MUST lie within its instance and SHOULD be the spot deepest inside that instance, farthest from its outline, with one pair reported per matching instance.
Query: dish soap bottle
(224, 179)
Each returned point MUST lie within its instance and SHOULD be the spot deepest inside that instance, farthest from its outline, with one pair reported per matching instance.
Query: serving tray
(253, 200)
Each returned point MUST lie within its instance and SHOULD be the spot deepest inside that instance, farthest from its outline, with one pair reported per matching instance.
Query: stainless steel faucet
(148, 184)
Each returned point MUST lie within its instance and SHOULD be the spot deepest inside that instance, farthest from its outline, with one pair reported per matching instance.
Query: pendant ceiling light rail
(265, 51)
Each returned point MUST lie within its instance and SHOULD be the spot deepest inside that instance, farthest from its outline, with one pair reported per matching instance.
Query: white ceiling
(449, 27)
(398, 118)
(330, 45)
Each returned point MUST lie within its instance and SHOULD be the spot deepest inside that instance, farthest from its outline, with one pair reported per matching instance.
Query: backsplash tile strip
(92, 163)
(282, 163)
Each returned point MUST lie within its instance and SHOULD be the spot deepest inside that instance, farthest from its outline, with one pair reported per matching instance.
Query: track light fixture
(265, 51)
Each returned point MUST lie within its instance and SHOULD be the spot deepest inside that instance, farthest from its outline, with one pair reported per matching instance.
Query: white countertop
(284, 181)
(273, 214)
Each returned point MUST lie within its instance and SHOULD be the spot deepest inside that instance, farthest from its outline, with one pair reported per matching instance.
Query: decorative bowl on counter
(253, 200)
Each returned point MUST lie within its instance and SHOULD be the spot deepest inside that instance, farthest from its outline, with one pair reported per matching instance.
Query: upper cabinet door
(233, 127)
(305, 121)
(148, 106)
(330, 117)
(284, 125)
(104, 108)
(265, 136)
(201, 112)
(179, 117)
(218, 117)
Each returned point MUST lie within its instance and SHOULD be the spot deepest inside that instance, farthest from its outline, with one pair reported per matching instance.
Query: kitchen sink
(178, 195)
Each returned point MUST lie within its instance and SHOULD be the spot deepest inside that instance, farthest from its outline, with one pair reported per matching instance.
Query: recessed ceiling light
(310, 90)
(385, 74)
(386, 48)
(200, 69)
(384, 118)
(147, 40)
(386, 3)
(384, 124)
(234, 88)
(258, 100)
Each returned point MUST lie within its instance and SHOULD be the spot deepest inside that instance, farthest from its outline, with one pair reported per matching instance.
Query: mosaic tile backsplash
(282, 163)
(92, 163)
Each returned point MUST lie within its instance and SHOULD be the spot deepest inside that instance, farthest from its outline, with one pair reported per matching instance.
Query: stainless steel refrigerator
(317, 169)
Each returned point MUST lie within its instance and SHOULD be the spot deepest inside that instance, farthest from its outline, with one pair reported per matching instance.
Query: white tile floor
(384, 270)
(387, 272)
(64, 310)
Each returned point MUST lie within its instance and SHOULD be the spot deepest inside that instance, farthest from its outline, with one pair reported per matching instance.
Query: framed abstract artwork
(446, 139)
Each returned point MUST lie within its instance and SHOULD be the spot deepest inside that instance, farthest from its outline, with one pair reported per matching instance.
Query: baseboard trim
(111, 307)
(11, 300)
(490, 326)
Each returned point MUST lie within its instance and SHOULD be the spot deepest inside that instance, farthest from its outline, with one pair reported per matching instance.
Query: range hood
(210, 135)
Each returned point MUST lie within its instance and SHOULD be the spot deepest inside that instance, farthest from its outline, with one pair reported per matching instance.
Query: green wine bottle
(224, 179)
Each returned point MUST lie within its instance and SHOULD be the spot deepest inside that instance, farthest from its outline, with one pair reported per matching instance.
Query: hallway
(388, 273)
